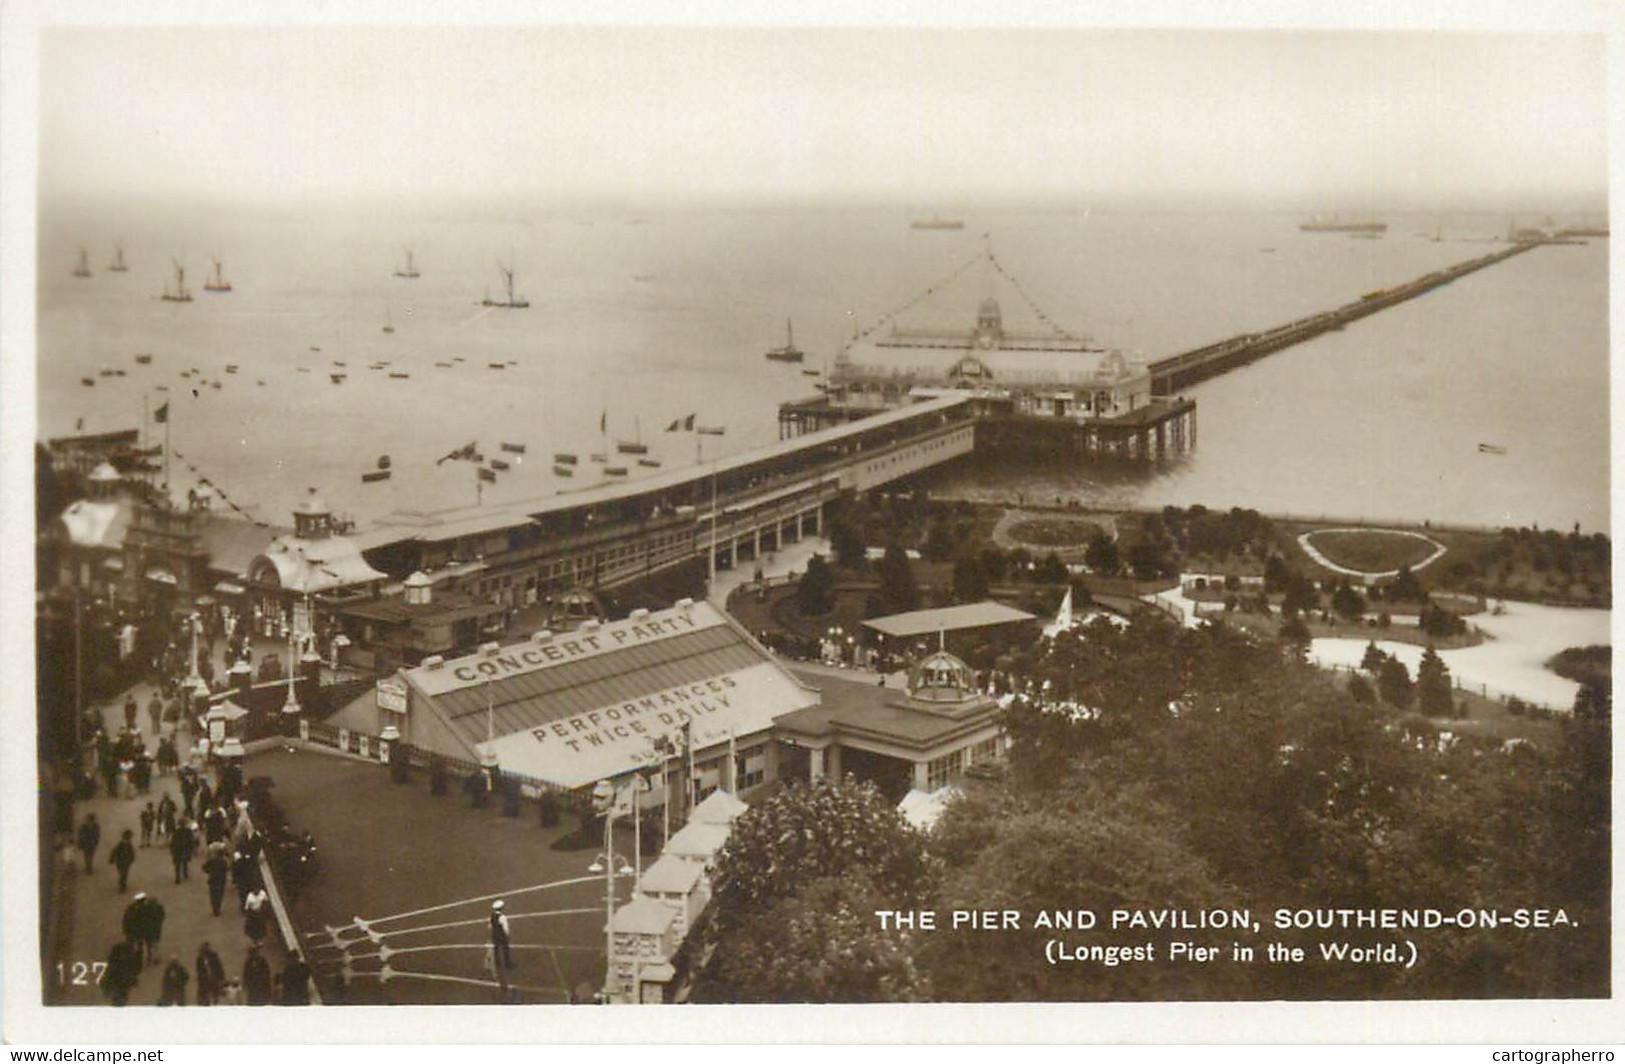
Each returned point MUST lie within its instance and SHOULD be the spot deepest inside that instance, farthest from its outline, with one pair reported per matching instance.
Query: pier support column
(756, 545)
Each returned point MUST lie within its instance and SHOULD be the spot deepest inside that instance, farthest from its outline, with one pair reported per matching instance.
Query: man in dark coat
(216, 869)
(149, 818)
(149, 924)
(245, 876)
(182, 845)
(155, 712)
(141, 775)
(166, 817)
(122, 857)
(214, 822)
(296, 981)
(188, 792)
(131, 925)
(174, 986)
(90, 837)
(123, 971)
(130, 709)
(256, 978)
(211, 975)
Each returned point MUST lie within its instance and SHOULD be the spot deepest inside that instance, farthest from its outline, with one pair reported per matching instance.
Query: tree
(1276, 574)
(1148, 560)
(796, 888)
(1406, 588)
(1433, 687)
(1360, 689)
(1374, 658)
(1347, 602)
(815, 593)
(1594, 701)
(1295, 634)
(1394, 683)
(847, 543)
(970, 581)
(1101, 555)
(1051, 570)
(1301, 596)
(898, 591)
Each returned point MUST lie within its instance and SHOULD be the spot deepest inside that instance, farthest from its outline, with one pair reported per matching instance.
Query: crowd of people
(211, 821)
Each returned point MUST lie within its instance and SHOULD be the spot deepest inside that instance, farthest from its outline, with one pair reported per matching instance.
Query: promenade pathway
(98, 907)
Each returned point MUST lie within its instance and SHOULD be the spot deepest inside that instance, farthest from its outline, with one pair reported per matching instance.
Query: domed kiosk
(918, 739)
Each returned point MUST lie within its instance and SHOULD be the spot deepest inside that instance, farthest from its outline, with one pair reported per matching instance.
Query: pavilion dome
(313, 504)
(418, 579)
(105, 474)
(942, 677)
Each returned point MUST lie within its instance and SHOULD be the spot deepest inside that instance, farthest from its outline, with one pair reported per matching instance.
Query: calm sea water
(640, 319)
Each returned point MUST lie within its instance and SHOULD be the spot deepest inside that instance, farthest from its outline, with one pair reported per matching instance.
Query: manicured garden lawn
(1371, 550)
(1052, 532)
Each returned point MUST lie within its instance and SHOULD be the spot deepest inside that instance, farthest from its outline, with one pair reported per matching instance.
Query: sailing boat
(512, 301)
(180, 293)
(389, 325)
(635, 445)
(410, 270)
(83, 268)
(217, 281)
(118, 265)
(789, 352)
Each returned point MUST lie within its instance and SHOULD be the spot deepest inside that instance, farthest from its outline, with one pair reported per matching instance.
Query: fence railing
(1482, 690)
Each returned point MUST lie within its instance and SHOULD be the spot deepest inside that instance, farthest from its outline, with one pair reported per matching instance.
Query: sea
(641, 318)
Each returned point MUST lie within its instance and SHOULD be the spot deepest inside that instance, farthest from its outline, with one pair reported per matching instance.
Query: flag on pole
(161, 415)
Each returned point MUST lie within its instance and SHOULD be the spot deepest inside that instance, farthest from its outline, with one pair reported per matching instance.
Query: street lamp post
(604, 794)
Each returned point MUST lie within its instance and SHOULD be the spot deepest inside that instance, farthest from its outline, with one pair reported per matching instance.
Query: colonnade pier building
(1056, 394)
(564, 710)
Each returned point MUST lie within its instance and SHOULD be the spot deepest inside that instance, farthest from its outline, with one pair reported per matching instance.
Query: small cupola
(419, 589)
(941, 677)
(313, 519)
(104, 481)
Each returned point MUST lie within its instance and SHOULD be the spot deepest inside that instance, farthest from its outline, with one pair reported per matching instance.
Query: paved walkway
(98, 907)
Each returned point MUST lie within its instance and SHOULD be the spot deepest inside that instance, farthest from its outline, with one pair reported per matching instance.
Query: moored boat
(615, 471)
(373, 478)
(564, 458)
(789, 352)
(651, 463)
(514, 448)
(563, 471)
(217, 281)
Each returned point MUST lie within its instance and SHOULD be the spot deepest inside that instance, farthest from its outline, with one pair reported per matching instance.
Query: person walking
(148, 924)
(90, 837)
(295, 981)
(155, 712)
(211, 975)
(188, 792)
(174, 985)
(130, 925)
(182, 846)
(168, 759)
(122, 973)
(501, 947)
(215, 869)
(256, 914)
(130, 710)
(166, 817)
(214, 822)
(149, 817)
(122, 857)
(256, 978)
(245, 875)
(141, 773)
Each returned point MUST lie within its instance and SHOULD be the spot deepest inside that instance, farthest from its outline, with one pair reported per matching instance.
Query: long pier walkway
(1177, 372)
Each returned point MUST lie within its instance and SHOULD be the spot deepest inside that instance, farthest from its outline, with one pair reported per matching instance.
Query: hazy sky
(901, 115)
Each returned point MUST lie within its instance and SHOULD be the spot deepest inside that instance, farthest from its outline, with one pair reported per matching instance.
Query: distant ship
(180, 293)
(217, 281)
(789, 352)
(615, 471)
(564, 458)
(513, 301)
(1491, 448)
(83, 267)
(410, 270)
(936, 221)
(118, 264)
(1320, 224)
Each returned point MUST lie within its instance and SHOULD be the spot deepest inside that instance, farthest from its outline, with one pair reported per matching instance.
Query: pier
(1175, 373)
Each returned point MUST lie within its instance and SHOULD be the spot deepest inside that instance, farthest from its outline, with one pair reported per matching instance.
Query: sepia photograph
(578, 511)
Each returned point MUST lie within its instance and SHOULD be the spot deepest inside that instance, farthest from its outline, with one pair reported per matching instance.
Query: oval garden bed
(1369, 551)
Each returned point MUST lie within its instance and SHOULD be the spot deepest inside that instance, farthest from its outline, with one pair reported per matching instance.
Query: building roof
(922, 809)
(584, 706)
(317, 565)
(671, 875)
(885, 714)
(719, 807)
(947, 619)
(429, 526)
(233, 544)
(643, 916)
(97, 524)
(698, 841)
(447, 607)
(1033, 363)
